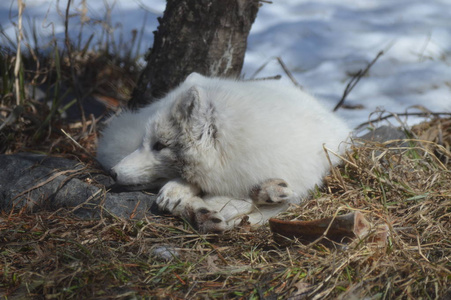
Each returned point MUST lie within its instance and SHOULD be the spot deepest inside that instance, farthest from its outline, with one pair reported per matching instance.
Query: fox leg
(220, 213)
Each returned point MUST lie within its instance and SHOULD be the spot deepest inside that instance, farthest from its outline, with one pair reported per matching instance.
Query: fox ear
(194, 77)
(189, 103)
(197, 112)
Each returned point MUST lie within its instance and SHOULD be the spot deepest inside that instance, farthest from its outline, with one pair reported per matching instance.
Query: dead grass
(33, 126)
(41, 82)
(407, 187)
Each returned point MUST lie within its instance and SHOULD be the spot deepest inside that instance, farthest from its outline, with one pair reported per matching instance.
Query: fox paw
(179, 198)
(209, 221)
(173, 194)
(273, 191)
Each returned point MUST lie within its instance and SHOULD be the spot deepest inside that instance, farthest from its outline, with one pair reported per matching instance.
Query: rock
(164, 252)
(384, 133)
(36, 182)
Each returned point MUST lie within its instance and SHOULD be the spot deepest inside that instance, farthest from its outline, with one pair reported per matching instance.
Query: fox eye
(158, 146)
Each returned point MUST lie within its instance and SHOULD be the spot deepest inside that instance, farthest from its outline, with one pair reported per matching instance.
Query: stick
(355, 80)
(285, 68)
(393, 115)
(21, 6)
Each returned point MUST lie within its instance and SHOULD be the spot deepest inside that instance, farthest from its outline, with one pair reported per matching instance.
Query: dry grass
(33, 126)
(66, 75)
(407, 187)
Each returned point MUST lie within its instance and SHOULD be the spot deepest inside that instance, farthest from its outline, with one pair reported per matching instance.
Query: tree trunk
(204, 36)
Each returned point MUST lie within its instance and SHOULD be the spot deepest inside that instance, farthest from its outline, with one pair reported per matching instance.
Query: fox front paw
(173, 194)
(209, 221)
(273, 191)
(180, 199)
(201, 217)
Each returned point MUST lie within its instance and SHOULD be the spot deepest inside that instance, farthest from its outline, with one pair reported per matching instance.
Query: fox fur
(222, 149)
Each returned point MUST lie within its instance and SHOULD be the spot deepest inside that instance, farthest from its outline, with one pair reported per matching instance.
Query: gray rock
(165, 252)
(384, 134)
(37, 182)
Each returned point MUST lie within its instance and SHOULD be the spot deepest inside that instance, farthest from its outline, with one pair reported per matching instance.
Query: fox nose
(113, 174)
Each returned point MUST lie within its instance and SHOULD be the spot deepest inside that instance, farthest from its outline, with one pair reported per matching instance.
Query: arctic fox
(223, 151)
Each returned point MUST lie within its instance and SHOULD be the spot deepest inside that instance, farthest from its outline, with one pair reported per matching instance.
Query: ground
(55, 255)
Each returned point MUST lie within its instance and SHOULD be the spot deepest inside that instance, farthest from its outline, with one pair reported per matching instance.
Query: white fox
(221, 149)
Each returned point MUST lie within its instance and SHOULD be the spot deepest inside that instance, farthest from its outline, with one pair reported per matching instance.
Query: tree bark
(339, 229)
(204, 36)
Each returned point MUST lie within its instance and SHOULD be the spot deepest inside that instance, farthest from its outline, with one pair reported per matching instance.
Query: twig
(21, 6)
(394, 115)
(288, 72)
(355, 80)
(284, 67)
(93, 196)
(275, 77)
(42, 183)
(334, 171)
(78, 144)
(71, 66)
(260, 69)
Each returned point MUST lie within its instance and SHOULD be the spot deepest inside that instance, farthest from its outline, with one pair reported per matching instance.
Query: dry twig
(355, 79)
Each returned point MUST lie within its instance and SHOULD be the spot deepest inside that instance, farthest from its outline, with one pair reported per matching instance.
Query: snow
(322, 42)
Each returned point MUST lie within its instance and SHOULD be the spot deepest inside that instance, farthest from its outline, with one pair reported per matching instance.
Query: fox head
(176, 134)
